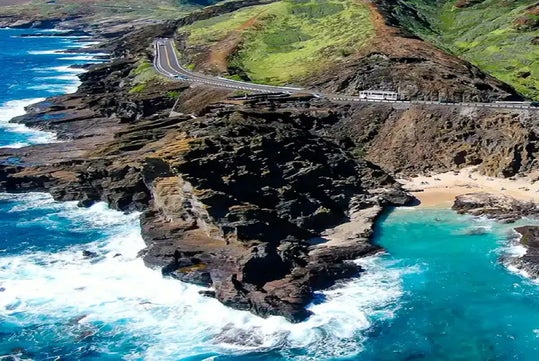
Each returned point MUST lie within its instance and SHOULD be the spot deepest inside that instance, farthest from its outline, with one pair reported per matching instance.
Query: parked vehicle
(378, 95)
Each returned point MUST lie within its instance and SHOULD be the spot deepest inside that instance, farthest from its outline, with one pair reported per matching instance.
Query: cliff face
(437, 139)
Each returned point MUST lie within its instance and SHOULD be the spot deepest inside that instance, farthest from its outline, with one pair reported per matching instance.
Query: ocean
(440, 291)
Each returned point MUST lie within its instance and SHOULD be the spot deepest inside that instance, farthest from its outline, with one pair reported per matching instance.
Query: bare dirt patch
(218, 56)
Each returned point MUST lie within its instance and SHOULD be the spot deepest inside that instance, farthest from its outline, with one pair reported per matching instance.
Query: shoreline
(440, 190)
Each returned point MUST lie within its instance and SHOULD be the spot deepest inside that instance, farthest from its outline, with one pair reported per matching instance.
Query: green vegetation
(501, 37)
(173, 94)
(142, 75)
(234, 77)
(288, 39)
(139, 88)
(143, 67)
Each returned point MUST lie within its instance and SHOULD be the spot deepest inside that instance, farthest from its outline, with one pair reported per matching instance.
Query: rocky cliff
(245, 196)
(420, 139)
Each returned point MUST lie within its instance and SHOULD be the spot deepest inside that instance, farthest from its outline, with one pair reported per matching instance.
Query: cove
(459, 301)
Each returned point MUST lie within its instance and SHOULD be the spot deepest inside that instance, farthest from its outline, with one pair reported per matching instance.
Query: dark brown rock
(529, 262)
(499, 207)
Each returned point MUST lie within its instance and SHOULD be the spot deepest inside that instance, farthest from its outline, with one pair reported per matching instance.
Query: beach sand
(440, 190)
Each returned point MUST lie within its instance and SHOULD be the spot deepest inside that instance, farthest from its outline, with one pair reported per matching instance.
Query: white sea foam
(14, 108)
(511, 249)
(58, 88)
(45, 52)
(79, 58)
(66, 77)
(79, 53)
(69, 82)
(515, 249)
(15, 145)
(87, 44)
(61, 69)
(518, 271)
(167, 318)
(54, 30)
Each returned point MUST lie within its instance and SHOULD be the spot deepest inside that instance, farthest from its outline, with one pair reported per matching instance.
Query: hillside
(500, 37)
(282, 41)
(338, 46)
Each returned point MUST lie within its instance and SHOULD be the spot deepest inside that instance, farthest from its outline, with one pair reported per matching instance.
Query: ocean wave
(87, 58)
(14, 108)
(115, 301)
(66, 82)
(60, 69)
(57, 88)
(66, 77)
(54, 30)
(15, 145)
(87, 44)
(46, 52)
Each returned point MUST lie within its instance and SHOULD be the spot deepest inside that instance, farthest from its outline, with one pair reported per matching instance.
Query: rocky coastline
(506, 209)
(263, 198)
(245, 197)
(527, 237)
(245, 201)
(502, 208)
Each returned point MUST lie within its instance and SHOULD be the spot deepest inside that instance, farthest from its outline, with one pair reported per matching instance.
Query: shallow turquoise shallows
(459, 302)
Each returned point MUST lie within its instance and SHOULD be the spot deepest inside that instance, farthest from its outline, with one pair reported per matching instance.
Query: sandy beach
(440, 190)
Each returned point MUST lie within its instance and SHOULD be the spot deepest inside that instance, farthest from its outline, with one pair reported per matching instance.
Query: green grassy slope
(287, 39)
(499, 36)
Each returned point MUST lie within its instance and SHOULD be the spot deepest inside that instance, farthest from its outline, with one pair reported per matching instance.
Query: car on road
(534, 104)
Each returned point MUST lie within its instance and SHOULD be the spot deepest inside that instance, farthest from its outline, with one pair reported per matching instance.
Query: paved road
(166, 62)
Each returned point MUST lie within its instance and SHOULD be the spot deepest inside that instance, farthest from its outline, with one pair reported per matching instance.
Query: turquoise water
(461, 303)
(439, 293)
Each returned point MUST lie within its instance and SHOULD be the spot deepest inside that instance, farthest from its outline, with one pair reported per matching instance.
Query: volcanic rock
(500, 207)
(529, 262)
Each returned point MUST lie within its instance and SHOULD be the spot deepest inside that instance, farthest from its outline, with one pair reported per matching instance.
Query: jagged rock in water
(500, 207)
(529, 262)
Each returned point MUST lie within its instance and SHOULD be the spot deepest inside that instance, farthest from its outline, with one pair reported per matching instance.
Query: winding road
(166, 63)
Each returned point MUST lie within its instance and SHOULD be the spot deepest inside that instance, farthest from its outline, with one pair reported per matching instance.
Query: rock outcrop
(529, 262)
(496, 206)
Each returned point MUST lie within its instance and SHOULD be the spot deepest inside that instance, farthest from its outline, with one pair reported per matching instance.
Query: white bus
(378, 95)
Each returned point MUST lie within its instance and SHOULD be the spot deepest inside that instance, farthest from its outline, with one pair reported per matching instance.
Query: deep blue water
(31, 69)
(439, 293)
